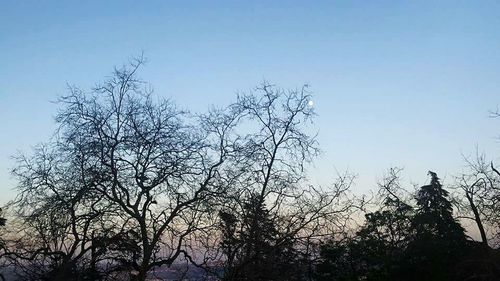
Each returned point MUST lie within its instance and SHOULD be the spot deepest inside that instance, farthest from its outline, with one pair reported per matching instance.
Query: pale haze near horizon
(395, 84)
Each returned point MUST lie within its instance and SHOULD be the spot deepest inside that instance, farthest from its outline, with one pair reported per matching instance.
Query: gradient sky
(395, 84)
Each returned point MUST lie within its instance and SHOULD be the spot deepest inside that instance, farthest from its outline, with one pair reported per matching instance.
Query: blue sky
(395, 84)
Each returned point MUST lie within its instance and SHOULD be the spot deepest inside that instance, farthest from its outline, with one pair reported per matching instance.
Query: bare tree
(392, 221)
(480, 187)
(59, 216)
(271, 216)
(2, 245)
(124, 171)
(130, 182)
(149, 160)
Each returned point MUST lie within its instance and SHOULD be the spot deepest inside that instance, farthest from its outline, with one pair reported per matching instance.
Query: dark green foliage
(399, 242)
(434, 217)
(337, 262)
(254, 247)
(376, 252)
(382, 240)
(439, 242)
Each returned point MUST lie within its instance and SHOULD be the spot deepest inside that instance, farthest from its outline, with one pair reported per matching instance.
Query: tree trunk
(477, 218)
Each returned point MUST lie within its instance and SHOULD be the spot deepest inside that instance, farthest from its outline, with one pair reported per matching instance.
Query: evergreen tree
(255, 248)
(400, 242)
(439, 240)
(434, 216)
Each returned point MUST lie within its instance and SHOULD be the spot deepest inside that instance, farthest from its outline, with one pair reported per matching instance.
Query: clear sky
(396, 83)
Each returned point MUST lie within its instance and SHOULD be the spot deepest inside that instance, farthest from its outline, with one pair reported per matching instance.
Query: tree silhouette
(398, 241)
(59, 214)
(377, 249)
(2, 245)
(257, 251)
(130, 183)
(125, 172)
(439, 242)
(478, 198)
(268, 211)
(279, 216)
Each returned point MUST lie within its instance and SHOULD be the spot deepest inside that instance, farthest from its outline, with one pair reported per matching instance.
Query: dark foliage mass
(404, 242)
(130, 187)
